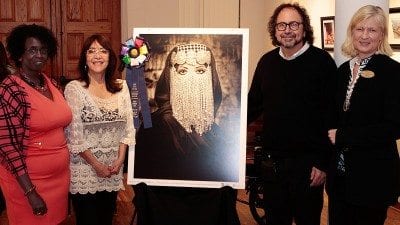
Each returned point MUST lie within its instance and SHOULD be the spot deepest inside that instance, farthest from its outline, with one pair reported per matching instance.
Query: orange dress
(47, 160)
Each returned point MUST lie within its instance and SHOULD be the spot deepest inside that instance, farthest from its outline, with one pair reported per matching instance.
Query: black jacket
(368, 131)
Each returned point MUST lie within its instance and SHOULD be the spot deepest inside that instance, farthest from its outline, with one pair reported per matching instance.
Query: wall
(317, 9)
(252, 14)
(394, 4)
(158, 14)
(178, 13)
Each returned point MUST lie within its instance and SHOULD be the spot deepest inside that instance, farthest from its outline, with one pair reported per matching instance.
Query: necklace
(41, 86)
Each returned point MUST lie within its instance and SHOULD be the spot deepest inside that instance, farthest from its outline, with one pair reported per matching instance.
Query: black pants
(344, 213)
(185, 206)
(2, 202)
(94, 209)
(288, 195)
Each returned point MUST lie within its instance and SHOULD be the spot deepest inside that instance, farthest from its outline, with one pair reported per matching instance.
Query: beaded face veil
(191, 88)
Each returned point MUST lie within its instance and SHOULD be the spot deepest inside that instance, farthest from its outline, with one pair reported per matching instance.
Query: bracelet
(33, 187)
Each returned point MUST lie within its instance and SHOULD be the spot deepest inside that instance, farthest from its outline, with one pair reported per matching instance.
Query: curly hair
(111, 80)
(17, 38)
(308, 30)
(3, 62)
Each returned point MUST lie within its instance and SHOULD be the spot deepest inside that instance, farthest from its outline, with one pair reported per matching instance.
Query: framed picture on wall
(196, 82)
(394, 28)
(328, 32)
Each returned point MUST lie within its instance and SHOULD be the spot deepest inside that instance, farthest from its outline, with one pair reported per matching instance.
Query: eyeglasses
(292, 25)
(100, 51)
(34, 51)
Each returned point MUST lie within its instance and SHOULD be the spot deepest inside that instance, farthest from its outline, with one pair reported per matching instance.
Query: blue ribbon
(137, 89)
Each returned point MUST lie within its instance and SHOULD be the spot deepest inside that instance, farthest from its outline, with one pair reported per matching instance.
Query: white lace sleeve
(129, 136)
(74, 131)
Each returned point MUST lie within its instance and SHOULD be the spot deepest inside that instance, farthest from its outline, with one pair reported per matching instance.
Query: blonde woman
(364, 177)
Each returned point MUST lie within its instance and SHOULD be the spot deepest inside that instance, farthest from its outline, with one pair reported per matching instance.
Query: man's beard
(290, 44)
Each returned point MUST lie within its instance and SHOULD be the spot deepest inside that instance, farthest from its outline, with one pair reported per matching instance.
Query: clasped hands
(106, 171)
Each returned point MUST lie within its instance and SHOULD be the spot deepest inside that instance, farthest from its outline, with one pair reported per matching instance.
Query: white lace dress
(99, 125)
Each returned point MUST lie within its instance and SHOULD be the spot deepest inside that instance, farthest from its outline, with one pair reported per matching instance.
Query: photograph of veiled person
(194, 86)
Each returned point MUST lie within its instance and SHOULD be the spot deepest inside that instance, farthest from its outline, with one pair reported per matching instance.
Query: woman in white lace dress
(100, 131)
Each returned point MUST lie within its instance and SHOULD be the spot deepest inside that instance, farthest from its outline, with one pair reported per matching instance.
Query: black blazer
(368, 133)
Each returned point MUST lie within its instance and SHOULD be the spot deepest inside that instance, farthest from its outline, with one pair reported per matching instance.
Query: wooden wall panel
(36, 11)
(71, 21)
(16, 12)
(7, 10)
(73, 10)
(84, 18)
(74, 41)
(73, 47)
(21, 10)
(102, 10)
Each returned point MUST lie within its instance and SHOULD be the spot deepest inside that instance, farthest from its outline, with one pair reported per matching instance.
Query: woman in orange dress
(34, 171)
(4, 71)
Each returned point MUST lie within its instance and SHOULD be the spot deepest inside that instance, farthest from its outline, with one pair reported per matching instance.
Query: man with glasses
(292, 87)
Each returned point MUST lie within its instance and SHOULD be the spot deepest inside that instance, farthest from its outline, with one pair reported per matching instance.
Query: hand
(35, 200)
(317, 177)
(115, 167)
(332, 135)
(102, 170)
(37, 203)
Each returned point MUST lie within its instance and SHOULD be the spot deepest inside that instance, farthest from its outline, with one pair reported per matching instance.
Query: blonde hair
(366, 12)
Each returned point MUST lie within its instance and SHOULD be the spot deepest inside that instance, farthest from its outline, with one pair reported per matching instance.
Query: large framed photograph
(328, 32)
(394, 28)
(197, 88)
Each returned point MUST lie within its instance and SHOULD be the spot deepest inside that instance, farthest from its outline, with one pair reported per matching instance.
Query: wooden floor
(125, 211)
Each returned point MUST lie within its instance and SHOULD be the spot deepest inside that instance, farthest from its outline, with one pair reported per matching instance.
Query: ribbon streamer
(134, 54)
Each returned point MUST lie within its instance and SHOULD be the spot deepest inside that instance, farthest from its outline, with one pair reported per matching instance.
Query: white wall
(255, 15)
(178, 13)
(394, 3)
(317, 9)
(158, 13)
(252, 14)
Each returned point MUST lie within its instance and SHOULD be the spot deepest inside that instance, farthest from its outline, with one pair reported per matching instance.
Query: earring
(85, 67)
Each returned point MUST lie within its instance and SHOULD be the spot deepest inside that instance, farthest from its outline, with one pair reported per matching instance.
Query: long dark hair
(308, 30)
(111, 80)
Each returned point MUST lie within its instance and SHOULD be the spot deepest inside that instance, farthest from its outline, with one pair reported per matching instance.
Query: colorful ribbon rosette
(134, 54)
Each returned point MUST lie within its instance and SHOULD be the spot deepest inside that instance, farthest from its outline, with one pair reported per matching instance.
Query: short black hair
(18, 36)
(308, 30)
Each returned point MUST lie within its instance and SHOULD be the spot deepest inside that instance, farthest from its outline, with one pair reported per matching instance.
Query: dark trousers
(2, 202)
(288, 196)
(185, 206)
(343, 213)
(94, 209)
